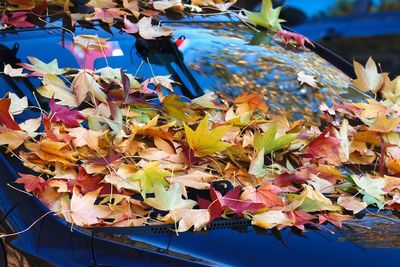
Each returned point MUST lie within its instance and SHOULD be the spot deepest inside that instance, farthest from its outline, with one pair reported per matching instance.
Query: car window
(231, 58)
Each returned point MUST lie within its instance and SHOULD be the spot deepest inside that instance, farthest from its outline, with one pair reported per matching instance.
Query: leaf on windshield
(268, 17)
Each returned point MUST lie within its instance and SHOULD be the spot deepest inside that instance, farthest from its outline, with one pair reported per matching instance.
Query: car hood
(371, 241)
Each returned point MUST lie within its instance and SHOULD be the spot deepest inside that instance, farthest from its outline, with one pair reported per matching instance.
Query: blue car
(206, 53)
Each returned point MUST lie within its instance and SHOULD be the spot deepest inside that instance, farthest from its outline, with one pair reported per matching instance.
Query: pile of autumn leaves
(104, 155)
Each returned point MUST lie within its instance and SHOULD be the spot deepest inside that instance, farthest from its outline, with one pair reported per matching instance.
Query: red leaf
(288, 37)
(230, 200)
(69, 117)
(5, 117)
(17, 19)
(31, 183)
(86, 182)
(301, 218)
(286, 179)
(265, 194)
(324, 148)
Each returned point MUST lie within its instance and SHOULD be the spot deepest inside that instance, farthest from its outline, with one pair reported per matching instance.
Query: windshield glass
(231, 58)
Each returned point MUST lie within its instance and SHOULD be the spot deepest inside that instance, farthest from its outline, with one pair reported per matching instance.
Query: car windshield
(219, 58)
(233, 59)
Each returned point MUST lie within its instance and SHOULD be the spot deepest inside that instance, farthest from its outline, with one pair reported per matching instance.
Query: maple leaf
(130, 27)
(198, 219)
(85, 182)
(85, 137)
(266, 194)
(250, 102)
(166, 4)
(120, 178)
(368, 78)
(150, 175)
(269, 142)
(229, 201)
(132, 5)
(17, 105)
(267, 18)
(102, 3)
(175, 107)
(31, 183)
(206, 146)
(39, 68)
(383, 124)
(299, 219)
(69, 117)
(306, 79)
(351, 203)
(13, 139)
(196, 179)
(164, 81)
(5, 117)
(17, 19)
(55, 87)
(84, 84)
(107, 15)
(84, 212)
(287, 37)
(10, 71)
(150, 32)
(325, 148)
(371, 188)
(271, 219)
(169, 200)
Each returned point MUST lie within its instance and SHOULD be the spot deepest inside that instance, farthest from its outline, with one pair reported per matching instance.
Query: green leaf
(151, 174)
(270, 143)
(169, 200)
(267, 18)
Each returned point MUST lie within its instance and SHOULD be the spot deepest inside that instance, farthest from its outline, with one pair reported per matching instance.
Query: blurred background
(354, 29)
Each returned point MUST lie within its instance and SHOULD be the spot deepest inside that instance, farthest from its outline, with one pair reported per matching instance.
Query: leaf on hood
(269, 142)
(5, 117)
(206, 146)
(368, 78)
(85, 137)
(169, 200)
(63, 114)
(162, 5)
(196, 179)
(10, 71)
(55, 87)
(85, 85)
(351, 203)
(266, 194)
(150, 175)
(150, 32)
(39, 68)
(31, 183)
(84, 211)
(370, 186)
(198, 219)
(271, 219)
(18, 105)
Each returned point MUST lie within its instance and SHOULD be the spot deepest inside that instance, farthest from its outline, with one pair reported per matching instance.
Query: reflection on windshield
(230, 58)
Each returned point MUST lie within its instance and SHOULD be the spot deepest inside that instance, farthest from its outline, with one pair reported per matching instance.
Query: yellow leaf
(206, 142)
(368, 78)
